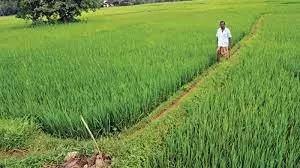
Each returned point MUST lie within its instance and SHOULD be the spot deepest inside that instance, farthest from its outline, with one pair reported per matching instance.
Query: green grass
(114, 68)
(16, 134)
(247, 116)
(120, 63)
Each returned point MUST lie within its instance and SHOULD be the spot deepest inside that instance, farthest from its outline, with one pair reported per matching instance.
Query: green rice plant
(249, 116)
(114, 68)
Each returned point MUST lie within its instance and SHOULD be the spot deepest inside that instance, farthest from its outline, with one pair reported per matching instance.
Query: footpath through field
(192, 86)
(129, 148)
(149, 134)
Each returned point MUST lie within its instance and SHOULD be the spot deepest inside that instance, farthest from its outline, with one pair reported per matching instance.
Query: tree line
(8, 7)
(59, 10)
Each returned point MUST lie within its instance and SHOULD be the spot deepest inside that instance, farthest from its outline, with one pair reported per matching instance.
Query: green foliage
(248, 115)
(35, 161)
(109, 70)
(45, 150)
(8, 7)
(15, 134)
(52, 10)
(243, 116)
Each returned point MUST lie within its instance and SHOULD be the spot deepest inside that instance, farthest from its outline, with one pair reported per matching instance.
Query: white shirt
(223, 37)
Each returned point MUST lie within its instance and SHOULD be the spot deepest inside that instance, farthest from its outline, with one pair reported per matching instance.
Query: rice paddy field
(120, 66)
(249, 115)
(113, 68)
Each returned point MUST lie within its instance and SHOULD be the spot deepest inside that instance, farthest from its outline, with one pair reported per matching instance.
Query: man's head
(222, 24)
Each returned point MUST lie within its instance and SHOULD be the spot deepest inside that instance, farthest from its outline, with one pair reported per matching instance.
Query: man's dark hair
(222, 22)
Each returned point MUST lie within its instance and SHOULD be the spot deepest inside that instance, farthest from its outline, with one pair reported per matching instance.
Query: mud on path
(13, 153)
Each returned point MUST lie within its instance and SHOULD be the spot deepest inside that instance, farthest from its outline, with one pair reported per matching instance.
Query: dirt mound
(73, 160)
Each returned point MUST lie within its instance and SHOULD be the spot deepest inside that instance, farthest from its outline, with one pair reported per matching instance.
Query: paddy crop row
(114, 68)
(248, 115)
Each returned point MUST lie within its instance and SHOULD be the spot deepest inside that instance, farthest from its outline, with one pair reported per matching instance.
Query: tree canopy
(54, 10)
(8, 7)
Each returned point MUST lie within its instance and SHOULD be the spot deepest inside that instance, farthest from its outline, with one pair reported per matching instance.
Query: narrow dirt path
(198, 81)
(14, 153)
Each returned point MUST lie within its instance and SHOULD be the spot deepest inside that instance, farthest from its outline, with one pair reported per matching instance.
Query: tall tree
(52, 10)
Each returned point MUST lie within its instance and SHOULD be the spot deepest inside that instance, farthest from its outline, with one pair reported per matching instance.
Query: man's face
(222, 25)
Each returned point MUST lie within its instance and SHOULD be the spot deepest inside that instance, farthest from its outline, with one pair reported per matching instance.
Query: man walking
(223, 41)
